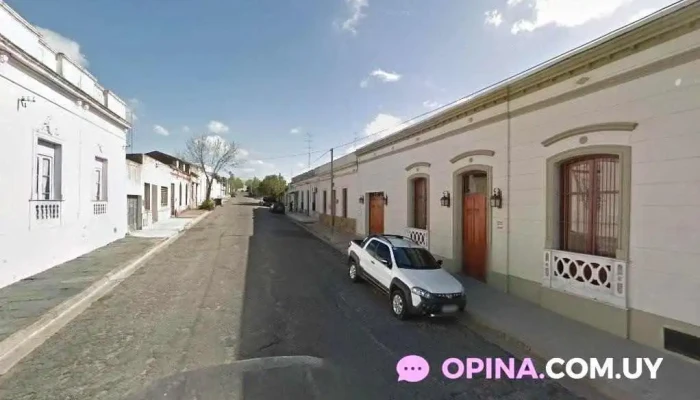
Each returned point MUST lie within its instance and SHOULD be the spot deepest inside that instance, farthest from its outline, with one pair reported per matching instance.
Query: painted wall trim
(471, 153)
(45, 75)
(625, 77)
(607, 126)
(418, 164)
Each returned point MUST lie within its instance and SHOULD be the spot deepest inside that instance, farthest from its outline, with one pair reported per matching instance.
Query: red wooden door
(474, 235)
(376, 213)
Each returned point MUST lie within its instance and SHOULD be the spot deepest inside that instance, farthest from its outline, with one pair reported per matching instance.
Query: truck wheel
(399, 306)
(353, 271)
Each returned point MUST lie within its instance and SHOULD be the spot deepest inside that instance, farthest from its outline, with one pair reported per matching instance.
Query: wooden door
(376, 213)
(474, 235)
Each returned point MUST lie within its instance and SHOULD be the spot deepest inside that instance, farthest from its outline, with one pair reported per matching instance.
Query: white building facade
(151, 192)
(574, 186)
(65, 138)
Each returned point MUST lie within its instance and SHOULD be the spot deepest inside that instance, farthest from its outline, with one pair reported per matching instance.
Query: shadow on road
(271, 327)
(298, 302)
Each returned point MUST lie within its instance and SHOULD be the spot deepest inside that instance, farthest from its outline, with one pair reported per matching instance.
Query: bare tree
(212, 154)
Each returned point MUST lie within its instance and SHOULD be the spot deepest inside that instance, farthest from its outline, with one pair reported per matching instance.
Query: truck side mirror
(439, 262)
(385, 262)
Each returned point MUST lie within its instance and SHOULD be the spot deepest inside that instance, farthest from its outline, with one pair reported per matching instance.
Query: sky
(277, 77)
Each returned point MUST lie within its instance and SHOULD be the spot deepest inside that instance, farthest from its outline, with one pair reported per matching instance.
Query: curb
(21, 343)
(511, 344)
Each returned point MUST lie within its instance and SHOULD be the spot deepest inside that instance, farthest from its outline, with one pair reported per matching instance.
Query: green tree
(235, 184)
(253, 186)
(273, 186)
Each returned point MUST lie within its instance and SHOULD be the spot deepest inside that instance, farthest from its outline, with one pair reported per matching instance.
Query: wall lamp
(497, 198)
(445, 199)
(362, 199)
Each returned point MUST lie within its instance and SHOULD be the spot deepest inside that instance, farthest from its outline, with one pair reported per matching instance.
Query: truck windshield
(414, 258)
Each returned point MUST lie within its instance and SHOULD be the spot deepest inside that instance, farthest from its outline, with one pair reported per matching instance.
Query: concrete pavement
(247, 305)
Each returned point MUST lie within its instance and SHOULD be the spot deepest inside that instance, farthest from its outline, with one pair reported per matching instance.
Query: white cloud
(431, 104)
(295, 131)
(381, 126)
(257, 162)
(243, 153)
(160, 130)
(186, 129)
(385, 76)
(301, 165)
(64, 45)
(512, 3)
(133, 106)
(493, 17)
(356, 14)
(249, 170)
(567, 13)
(217, 127)
(641, 14)
(381, 75)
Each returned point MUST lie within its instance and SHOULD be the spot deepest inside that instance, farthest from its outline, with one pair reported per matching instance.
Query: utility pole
(308, 145)
(332, 198)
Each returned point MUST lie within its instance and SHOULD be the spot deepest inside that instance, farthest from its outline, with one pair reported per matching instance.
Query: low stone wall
(342, 224)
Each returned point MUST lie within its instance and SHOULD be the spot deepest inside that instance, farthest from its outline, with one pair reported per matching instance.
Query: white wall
(83, 135)
(134, 185)
(17, 30)
(663, 277)
(155, 173)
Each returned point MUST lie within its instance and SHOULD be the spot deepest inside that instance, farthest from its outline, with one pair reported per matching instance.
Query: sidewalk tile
(24, 302)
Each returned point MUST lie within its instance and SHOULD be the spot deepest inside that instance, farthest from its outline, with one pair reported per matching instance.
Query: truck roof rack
(382, 235)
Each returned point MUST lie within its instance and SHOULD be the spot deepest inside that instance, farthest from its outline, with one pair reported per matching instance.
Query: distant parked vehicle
(277, 208)
(267, 201)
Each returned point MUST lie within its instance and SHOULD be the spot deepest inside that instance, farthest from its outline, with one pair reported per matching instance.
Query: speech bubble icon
(412, 368)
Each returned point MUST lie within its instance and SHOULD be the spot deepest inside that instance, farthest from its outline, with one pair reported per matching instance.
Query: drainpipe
(508, 178)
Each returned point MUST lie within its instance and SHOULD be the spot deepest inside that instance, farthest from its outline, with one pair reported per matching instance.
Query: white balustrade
(420, 236)
(99, 208)
(599, 278)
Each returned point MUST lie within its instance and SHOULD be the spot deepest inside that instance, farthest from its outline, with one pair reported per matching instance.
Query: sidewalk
(339, 240)
(527, 330)
(25, 301)
(34, 308)
(168, 227)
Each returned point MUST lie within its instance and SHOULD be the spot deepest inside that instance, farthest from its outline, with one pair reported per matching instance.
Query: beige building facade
(575, 186)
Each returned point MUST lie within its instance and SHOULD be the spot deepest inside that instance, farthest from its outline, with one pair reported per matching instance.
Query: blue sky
(263, 73)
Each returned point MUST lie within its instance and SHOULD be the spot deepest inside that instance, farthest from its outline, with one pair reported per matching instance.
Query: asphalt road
(248, 305)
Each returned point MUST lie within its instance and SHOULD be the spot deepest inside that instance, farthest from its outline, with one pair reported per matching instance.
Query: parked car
(267, 201)
(277, 208)
(414, 280)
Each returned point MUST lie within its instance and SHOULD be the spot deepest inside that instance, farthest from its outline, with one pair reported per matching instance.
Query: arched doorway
(474, 187)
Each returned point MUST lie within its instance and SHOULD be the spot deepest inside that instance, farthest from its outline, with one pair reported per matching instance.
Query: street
(246, 284)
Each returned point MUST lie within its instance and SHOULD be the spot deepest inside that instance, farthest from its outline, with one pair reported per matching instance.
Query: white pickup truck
(413, 278)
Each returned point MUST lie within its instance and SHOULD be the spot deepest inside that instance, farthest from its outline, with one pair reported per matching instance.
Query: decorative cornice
(608, 126)
(676, 21)
(471, 153)
(418, 164)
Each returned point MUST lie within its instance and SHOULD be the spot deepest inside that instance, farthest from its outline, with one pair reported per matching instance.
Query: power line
(487, 88)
